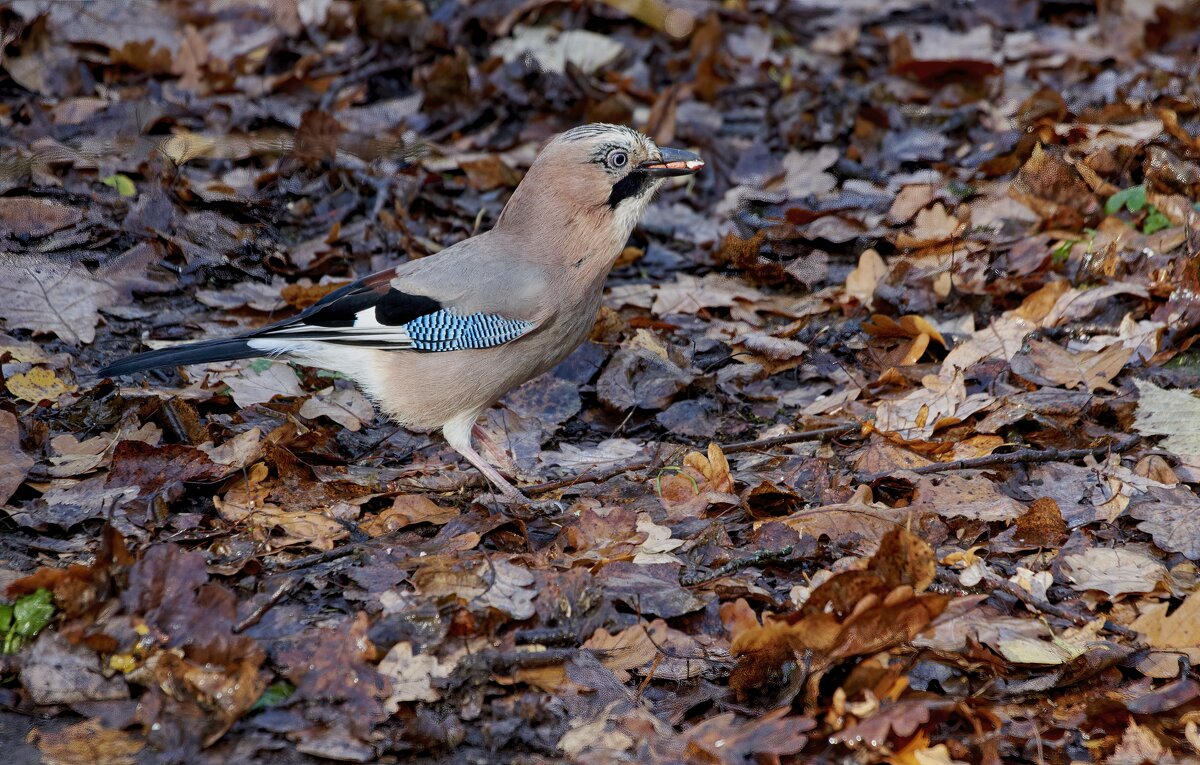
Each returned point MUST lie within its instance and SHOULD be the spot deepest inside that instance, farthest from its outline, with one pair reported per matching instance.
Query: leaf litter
(883, 448)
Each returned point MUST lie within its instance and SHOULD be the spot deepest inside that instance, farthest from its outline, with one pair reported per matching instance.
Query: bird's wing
(436, 304)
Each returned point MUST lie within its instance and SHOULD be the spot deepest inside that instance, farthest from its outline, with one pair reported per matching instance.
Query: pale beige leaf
(411, 675)
(1171, 413)
(863, 280)
(250, 387)
(1114, 571)
(345, 406)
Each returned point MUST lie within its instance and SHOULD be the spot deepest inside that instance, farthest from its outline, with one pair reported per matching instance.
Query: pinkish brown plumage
(436, 341)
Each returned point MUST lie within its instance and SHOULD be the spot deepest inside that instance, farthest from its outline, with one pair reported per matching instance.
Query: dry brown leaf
(14, 462)
(1178, 631)
(87, 742)
(939, 402)
(49, 296)
(933, 225)
(910, 200)
(1171, 413)
(35, 217)
(407, 510)
(1114, 571)
(965, 494)
(863, 280)
(1051, 364)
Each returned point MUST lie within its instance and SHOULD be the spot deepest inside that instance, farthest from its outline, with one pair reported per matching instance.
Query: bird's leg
(510, 492)
(498, 453)
(458, 435)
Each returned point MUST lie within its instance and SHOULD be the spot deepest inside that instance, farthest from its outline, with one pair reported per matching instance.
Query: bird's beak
(672, 162)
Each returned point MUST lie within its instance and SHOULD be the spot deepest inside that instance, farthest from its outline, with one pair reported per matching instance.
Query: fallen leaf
(14, 462)
(551, 50)
(87, 742)
(34, 217)
(658, 544)
(1171, 517)
(345, 406)
(806, 174)
(933, 225)
(1171, 413)
(50, 296)
(411, 676)
(689, 294)
(863, 280)
(963, 494)
(37, 385)
(332, 673)
(1114, 571)
(56, 672)
(1050, 364)
(260, 386)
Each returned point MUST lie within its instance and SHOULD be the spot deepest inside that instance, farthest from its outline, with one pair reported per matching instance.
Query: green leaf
(6, 617)
(275, 694)
(1132, 199)
(32, 613)
(1059, 254)
(1155, 221)
(330, 374)
(121, 183)
(960, 191)
(260, 365)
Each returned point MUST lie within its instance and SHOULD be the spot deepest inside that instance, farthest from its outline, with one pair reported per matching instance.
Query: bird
(435, 341)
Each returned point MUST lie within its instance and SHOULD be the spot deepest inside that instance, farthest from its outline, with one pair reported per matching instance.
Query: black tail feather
(225, 349)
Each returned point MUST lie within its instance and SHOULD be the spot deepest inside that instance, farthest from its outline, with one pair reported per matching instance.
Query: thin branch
(1046, 607)
(599, 476)
(693, 578)
(282, 590)
(1021, 456)
(819, 434)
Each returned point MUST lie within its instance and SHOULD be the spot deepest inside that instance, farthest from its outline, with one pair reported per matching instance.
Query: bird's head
(605, 173)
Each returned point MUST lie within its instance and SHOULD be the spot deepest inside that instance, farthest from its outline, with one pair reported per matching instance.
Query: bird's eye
(618, 159)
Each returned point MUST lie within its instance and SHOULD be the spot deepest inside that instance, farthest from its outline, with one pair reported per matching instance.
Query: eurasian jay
(436, 341)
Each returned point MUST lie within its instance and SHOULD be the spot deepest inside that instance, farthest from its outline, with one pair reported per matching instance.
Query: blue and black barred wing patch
(450, 331)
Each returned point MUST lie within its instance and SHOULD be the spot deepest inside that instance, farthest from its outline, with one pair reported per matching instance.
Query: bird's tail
(224, 349)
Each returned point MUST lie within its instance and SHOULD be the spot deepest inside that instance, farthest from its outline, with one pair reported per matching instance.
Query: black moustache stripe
(634, 184)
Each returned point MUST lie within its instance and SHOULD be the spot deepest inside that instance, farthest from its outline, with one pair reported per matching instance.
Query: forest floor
(883, 447)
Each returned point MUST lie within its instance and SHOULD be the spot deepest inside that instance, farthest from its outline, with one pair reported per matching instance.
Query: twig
(819, 434)
(322, 557)
(1023, 456)
(693, 578)
(599, 476)
(591, 476)
(1046, 607)
(281, 591)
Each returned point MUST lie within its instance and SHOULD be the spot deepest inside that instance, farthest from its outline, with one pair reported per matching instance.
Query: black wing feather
(337, 309)
(341, 307)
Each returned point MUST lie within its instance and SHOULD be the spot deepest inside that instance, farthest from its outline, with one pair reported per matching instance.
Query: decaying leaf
(1171, 413)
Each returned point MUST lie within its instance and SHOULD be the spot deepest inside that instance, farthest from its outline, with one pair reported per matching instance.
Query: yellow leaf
(37, 385)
